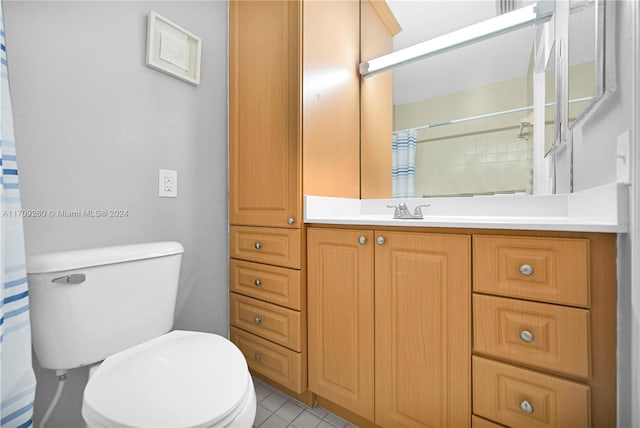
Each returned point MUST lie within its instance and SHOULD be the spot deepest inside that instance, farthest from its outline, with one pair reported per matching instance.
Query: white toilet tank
(88, 304)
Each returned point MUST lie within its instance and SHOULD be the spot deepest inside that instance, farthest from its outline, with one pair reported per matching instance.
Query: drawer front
(280, 247)
(547, 336)
(523, 398)
(277, 363)
(272, 322)
(477, 422)
(546, 269)
(265, 282)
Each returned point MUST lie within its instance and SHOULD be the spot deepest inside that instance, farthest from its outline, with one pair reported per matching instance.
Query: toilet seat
(181, 379)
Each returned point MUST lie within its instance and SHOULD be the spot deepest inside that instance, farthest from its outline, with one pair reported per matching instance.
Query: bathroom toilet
(112, 308)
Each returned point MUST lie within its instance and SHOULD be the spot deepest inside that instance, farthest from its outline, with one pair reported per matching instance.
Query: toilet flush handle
(74, 278)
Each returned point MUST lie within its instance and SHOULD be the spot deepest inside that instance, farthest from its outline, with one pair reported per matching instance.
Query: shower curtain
(404, 163)
(17, 380)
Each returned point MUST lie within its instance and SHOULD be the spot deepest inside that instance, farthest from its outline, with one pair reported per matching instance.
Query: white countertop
(602, 209)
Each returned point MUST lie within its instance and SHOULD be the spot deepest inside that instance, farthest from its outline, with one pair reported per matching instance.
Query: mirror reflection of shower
(470, 111)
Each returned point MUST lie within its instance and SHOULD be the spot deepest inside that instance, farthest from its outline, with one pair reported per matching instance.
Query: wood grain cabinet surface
(541, 269)
(550, 337)
(405, 323)
(291, 131)
(544, 317)
(273, 284)
(280, 364)
(524, 398)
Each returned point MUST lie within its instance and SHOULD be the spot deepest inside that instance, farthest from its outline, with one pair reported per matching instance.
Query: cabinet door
(264, 113)
(422, 330)
(340, 310)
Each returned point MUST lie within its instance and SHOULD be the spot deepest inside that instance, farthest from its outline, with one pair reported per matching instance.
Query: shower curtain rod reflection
(486, 115)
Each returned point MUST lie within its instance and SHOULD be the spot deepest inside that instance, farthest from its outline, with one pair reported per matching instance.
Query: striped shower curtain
(404, 163)
(17, 380)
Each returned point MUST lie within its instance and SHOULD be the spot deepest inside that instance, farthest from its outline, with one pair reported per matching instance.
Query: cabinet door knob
(257, 320)
(380, 240)
(257, 245)
(362, 240)
(526, 336)
(526, 270)
(291, 220)
(526, 407)
(257, 282)
(257, 357)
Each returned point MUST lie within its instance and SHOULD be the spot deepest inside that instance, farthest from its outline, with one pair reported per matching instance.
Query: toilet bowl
(112, 309)
(181, 379)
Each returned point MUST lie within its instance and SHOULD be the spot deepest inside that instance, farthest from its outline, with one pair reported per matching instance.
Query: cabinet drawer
(265, 282)
(279, 247)
(272, 322)
(523, 398)
(547, 336)
(546, 269)
(277, 363)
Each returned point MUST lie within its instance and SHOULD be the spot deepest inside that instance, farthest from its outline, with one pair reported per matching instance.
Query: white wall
(595, 164)
(94, 125)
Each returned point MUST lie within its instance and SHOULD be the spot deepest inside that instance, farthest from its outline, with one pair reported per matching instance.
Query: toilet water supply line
(62, 379)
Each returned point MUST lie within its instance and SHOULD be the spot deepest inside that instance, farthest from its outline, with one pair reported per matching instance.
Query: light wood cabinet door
(264, 113)
(340, 311)
(422, 330)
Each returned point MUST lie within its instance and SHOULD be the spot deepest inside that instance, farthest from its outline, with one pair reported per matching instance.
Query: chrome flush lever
(74, 278)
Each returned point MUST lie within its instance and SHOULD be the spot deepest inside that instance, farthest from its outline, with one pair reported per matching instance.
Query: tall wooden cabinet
(394, 307)
(293, 129)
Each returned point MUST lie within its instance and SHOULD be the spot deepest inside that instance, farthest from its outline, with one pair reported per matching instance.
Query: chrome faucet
(402, 212)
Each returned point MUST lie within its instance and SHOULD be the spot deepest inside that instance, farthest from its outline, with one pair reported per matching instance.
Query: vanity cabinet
(544, 313)
(293, 128)
(389, 324)
(403, 332)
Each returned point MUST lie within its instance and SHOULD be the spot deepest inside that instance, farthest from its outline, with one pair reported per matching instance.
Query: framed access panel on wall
(173, 50)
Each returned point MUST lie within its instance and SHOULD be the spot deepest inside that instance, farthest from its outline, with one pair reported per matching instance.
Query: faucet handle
(396, 211)
(418, 209)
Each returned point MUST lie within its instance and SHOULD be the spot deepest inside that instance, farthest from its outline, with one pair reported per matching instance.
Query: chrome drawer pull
(526, 336)
(257, 282)
(526, 270)
(257, 357)
(362, 240)
(380, 240)
(257, 320)
(258, 245)
(526, 407)
(291, 220)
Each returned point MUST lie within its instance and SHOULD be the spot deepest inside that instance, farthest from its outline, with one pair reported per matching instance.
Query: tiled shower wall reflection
(489, 162)
(477, 155)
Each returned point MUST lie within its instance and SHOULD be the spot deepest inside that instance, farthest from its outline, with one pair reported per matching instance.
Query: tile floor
(278, 410)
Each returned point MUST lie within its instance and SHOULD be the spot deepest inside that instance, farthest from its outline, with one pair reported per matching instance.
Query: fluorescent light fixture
(520, 18)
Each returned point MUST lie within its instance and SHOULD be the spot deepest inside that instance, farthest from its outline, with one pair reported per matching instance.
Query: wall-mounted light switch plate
(623, 157)
(167, 183)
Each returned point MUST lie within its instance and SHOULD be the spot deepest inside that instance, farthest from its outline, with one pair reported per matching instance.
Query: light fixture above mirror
(537, 13)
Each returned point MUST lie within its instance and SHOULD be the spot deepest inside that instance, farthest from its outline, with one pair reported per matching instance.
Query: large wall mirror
(461, 121)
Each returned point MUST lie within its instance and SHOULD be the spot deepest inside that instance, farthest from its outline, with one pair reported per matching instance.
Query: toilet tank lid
(77, 259)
